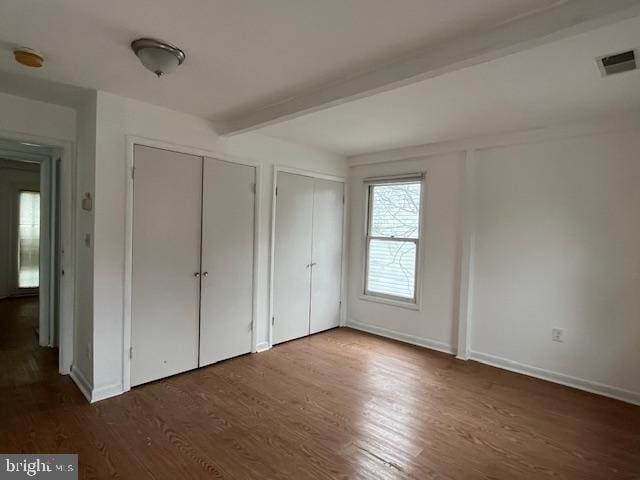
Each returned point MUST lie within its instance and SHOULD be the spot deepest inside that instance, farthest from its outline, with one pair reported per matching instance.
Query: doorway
(30, 258)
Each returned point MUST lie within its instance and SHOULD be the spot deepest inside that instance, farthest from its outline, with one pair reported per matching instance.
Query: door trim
(131, 142)
(272, 236)
(65, 150)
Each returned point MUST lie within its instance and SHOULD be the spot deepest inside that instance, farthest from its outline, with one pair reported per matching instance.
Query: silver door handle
(205, 274)
(196, 274)
(313, 264)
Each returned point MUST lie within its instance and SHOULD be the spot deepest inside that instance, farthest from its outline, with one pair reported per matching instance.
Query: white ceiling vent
(617, 63)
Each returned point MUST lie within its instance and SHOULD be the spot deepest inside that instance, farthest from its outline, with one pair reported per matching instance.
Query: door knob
(196, 274)
(313, 264)
(205, 274)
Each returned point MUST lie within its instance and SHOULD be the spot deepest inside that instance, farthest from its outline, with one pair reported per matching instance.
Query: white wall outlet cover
(557, 335)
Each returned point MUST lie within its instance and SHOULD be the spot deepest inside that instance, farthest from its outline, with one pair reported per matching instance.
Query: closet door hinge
(253, 188)
(273, 320)
(133, 172)
(276, 191)
(130, 353)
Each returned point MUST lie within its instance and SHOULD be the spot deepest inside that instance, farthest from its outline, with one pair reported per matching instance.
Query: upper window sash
(396, 224)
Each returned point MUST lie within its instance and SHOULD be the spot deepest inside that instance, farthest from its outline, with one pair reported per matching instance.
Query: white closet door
(292, 259)
(166, 260)
(326, 274)
(227, 260)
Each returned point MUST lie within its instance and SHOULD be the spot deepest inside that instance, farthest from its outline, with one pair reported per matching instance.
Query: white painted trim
(189, 150)
(510, 365)
(128, 264)
(66, 306)
(629, 122)
(257, 225)
(556, 377)
(262, 347)
(402, 337)
(81, 382)
(422, 227)
(272, 246)
(561, 20)
(309, 173)
(344, 277)
(272, 252)
(466, 255)
(131, 141)
(389, 301)
(108, 391)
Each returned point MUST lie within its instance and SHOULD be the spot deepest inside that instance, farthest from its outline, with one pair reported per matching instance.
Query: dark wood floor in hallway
(337, 405)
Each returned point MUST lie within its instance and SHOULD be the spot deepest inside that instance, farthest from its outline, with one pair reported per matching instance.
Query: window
(393, 236)
(29, 240)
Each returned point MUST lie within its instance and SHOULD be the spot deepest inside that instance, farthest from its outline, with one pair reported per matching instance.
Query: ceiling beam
(563, 20)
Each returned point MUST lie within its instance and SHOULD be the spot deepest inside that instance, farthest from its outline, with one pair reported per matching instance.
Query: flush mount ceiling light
(157, 56)
(28, 57)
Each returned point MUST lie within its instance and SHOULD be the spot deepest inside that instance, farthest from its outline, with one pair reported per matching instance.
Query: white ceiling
(552, 84)
(240, 53)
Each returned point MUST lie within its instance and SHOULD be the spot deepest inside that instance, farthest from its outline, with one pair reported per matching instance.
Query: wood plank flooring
(337, 405)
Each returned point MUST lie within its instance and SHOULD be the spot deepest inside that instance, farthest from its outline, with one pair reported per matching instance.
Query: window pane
(395, 210)
(29, 240)
(392, 268)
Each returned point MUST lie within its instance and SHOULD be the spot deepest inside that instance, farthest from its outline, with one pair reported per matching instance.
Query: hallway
(24, 364)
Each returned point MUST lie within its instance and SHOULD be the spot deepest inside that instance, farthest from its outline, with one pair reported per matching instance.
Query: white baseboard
(91, 394)
(108, 391)
(499, 362)
(81, 382)
(555, 377)
(402, 337)
(262, 347)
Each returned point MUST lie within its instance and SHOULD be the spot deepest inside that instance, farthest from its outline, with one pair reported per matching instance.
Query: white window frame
(410, 303)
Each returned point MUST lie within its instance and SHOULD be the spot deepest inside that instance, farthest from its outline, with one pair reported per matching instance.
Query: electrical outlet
(557, 335)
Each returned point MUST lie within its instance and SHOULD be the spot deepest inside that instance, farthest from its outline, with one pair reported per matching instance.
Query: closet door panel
(326, 276)
(227, 260)
(166, 256)
(292, 257)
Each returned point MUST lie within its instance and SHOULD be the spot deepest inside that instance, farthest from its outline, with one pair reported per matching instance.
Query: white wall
(557, 244)
(436, 323)
(83, 305)
(554, 229)
(118, 117)
(13, 177)
(29, 117)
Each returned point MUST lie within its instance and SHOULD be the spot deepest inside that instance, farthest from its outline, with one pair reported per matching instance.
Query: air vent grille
(618, 63)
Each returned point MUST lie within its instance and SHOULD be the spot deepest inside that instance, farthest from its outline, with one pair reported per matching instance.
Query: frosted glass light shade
(158, 57)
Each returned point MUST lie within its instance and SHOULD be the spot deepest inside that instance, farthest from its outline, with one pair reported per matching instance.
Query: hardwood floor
(337, 405)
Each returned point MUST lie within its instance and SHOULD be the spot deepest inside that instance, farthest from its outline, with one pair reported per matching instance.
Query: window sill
(388, 301)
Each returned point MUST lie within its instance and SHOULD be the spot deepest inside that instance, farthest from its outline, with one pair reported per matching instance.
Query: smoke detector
(617, 63)
(28, 57)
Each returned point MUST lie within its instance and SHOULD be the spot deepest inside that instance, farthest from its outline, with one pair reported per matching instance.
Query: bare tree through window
(392, 239)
